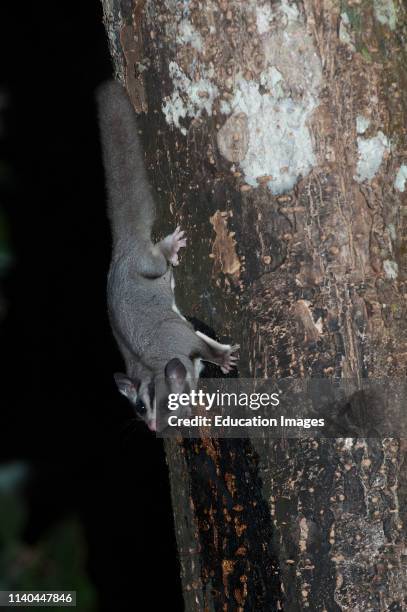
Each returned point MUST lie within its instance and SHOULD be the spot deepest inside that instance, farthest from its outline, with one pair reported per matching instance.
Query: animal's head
(141, 394)
(150, 397)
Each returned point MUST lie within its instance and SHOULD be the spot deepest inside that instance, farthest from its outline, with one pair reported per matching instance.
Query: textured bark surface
(275, 133)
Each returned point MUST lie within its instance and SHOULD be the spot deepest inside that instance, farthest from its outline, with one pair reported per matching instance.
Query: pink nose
(152, 425)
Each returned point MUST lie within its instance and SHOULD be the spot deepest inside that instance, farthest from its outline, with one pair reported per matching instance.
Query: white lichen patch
(345, 35)
(280, 144)
(224, 107)
(392, 232)
(264, 16)
(401, 178)
(189, 98)
(280, 103)
(273, 81)
(391, 269)
(371, 152)
(188, 35)
(385, 12)
(362, 124)
(292, 52)
(289, 10)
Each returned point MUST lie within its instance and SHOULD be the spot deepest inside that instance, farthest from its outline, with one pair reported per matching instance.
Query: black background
(59, 407)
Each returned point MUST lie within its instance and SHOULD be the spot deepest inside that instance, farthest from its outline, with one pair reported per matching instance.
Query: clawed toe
(178, 233)
(178, 238)
(176, 241)
(230, 360)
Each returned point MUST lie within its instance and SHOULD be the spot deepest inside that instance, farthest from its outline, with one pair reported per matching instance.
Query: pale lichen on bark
(271, 77)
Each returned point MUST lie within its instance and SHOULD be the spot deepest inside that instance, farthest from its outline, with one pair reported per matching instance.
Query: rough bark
(297, 250)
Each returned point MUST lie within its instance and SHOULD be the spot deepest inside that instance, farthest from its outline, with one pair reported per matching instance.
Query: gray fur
(145, 322)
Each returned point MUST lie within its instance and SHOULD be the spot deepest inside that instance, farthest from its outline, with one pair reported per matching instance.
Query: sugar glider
(156, 341)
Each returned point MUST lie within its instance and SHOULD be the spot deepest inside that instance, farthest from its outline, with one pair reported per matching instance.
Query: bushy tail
(131, 204)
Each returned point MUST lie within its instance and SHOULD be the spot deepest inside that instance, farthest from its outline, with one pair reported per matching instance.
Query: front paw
(176, 241)
(229, 360)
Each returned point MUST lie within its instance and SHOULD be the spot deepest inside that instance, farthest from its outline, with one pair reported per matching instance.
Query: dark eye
(140, 408)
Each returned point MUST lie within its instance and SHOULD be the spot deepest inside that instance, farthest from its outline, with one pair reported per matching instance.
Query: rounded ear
(175, 373)
(126, 386)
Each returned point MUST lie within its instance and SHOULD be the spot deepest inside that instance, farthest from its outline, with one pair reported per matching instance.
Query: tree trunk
(275, 134)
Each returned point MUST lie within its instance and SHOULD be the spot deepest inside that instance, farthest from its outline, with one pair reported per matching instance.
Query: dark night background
(88, 461)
